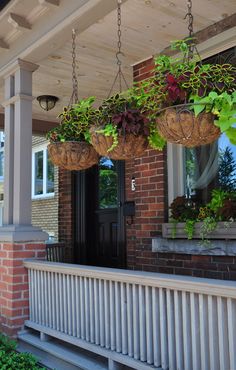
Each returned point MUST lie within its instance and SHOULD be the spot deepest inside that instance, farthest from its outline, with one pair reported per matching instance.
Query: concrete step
(59, 355)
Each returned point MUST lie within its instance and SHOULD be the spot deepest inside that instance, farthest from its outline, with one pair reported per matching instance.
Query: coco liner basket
(179, 125)
(128, 147)
(73, 155)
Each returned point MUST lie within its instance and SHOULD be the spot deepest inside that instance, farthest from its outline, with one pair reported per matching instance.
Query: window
(42, 174)
(195, 172)
(209, 167)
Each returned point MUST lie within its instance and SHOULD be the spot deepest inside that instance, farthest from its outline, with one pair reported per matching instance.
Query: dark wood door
(100, 228)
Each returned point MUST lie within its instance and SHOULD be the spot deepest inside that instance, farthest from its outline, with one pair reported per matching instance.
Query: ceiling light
(47, 102)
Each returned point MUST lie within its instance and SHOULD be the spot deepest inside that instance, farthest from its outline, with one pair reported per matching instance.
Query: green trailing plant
(189, 228)
(120, 115)
(211, 88)
(12, 360)
(75, 122)
(221, 208)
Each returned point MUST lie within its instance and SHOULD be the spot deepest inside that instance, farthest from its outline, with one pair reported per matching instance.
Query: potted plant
(69, 146)
(192, 102)
(191, 219)
(121, 130)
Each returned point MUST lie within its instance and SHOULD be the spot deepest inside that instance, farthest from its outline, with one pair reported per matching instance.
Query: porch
(138, 319)
(97, 317)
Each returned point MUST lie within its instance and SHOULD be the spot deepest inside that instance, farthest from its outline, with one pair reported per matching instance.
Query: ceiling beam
(47, 37)
(39, 127)
(49, 2)
(18, 22)
(3, 44)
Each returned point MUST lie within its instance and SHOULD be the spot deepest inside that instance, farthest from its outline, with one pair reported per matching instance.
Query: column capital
(17, 65)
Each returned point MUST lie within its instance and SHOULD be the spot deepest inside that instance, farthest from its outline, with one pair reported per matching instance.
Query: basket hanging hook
(119, 76)
(192, 44)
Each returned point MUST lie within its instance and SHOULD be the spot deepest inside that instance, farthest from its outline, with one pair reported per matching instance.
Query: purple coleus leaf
(220, 86)
(201, 92)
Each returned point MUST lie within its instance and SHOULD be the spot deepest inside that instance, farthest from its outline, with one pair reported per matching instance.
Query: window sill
(43, 197)
(221, 242)
(194, 247)
(221, 231)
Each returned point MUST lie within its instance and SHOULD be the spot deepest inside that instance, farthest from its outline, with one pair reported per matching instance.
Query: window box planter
(221, 232)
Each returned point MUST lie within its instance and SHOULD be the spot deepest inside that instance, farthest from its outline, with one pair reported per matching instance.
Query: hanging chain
(74, 96)
(192, 46)
(119, 76)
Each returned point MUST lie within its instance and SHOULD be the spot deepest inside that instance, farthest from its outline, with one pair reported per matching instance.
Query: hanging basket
(128, 147)
(72, 155)
(179, 125)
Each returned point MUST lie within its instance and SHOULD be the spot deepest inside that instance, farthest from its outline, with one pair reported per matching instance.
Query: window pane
(107, 183)
(1, 164)
(38, 182)
(50, 176)
(209, 167)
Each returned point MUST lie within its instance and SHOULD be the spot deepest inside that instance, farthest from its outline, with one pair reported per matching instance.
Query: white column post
(9, 152)
(23, 146)
(18, 155)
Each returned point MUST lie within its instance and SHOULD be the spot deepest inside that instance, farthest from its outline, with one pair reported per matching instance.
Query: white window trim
(45, 195)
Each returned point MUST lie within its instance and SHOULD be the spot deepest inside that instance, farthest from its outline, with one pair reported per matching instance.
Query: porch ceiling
(147, 28)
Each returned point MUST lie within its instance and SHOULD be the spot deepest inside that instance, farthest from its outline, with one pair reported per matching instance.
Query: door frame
(80, 199)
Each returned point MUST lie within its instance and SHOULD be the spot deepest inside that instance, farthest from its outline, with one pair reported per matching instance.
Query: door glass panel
(107, 183)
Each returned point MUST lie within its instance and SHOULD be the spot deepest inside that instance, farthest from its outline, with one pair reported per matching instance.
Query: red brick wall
(150, 196)
(14, 290)
(66, 211)
(212, 267)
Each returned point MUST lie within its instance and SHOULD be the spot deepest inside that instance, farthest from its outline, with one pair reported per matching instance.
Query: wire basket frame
(179, 125)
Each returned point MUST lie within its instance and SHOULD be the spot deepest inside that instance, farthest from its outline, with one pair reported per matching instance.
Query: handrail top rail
(190, 284)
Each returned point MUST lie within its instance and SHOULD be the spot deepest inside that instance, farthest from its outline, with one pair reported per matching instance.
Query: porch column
(18, 238)
(18, 155)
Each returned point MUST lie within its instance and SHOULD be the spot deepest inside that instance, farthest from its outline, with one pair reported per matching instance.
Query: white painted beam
(49, 2)
(3, 44)
(47, 37)
(18, 22)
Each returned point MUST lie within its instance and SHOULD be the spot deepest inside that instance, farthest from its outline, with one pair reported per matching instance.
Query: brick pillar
(14, 290)
(150, 195)
(66, 211)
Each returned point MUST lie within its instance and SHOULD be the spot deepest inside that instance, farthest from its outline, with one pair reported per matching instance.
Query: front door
(100, 230)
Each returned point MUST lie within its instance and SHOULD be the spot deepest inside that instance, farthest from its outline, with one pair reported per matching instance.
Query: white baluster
(163, 326)
(130, 320)
(112, 315)
(178, 330)
(107, 315)
(156, 328)
(118, 317)
(223, 334)
(149, 325)
(231, 307)
(195, 331)
(187, 344)
(204, 337)
(171, 329)
(91, 311)
(136, 322)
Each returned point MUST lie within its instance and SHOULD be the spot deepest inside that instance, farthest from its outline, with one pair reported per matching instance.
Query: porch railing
(147, 320)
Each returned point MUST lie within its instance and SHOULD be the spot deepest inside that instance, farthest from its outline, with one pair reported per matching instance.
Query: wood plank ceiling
(147, 28)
